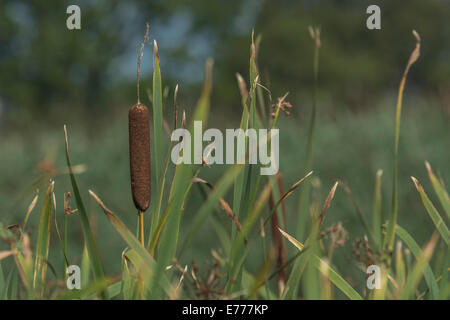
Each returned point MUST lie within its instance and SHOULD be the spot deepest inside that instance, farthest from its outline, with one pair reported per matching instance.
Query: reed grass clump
(290, 267)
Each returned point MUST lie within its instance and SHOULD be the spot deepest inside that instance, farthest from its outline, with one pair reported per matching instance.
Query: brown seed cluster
(364, 253)
(139, 135)
(207, 287)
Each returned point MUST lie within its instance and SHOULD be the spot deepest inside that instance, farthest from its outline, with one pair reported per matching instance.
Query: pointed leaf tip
(155, 47)
(100, 202)
(428, 166)
(416, 182)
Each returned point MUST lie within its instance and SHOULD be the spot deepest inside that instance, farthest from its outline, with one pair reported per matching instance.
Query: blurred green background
(50, 76)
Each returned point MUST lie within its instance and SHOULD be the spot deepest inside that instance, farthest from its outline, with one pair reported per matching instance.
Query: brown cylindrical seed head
(139, 134)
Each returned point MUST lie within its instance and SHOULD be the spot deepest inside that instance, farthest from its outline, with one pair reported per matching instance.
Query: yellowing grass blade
(213, 200)
(432, 212)
(168, 241)
(305, 191)
(43, 242)
(377, 217)
(238, 254)
(326, 269)
(30, 209)
(261, 276)
(292, 240)
(89, 291)
(203, 105)
(287, 194)
(417, 271)
(89, 239)
(6, 253)
(440, 190)
(359, 213)
(158, 135)
(416, 251)
(400, 269)
(390, 233)
(141, 256)
(327, 203)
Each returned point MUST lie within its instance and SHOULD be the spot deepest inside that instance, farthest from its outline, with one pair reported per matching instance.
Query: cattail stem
(141, 227)
(139, 145)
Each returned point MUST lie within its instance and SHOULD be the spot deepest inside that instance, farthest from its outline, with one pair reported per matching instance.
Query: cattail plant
(139, 146)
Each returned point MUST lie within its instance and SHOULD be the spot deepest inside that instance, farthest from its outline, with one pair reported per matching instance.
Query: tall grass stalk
(390, 234)
(158, 134)
(304, 197)
(94, 254)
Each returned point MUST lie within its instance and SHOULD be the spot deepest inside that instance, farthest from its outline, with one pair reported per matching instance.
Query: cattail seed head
(139, 135)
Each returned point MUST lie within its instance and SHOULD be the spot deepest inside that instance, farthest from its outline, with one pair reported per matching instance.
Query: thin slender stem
(141, 228)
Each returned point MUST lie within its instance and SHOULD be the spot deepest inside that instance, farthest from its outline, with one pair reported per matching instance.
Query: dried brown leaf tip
(223, 204)
(294, 186)
(205, 158)
(417, 184)
(327, 203)
(283, 105)
(414, 55)
(6, 253)
(314, 32)
(242, 86)
(155, 49)
(183, 120)
(257, 46)
(100, 202)
(253, 47)
(204, 163)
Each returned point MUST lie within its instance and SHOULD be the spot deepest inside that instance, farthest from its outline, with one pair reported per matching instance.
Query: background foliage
(50, 76)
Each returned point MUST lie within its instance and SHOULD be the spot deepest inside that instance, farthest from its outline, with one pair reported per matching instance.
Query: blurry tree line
(43, 65)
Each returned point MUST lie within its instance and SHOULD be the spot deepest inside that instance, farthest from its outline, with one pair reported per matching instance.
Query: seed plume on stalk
(139, 147)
